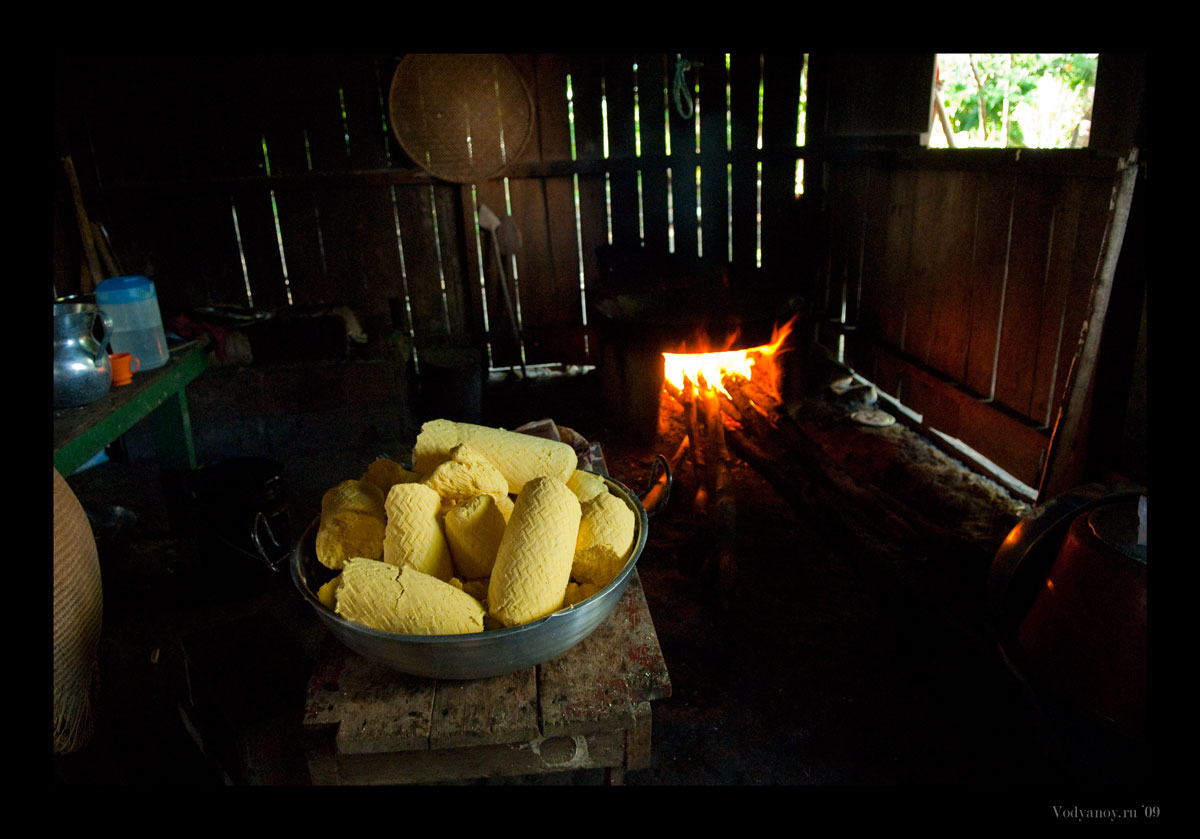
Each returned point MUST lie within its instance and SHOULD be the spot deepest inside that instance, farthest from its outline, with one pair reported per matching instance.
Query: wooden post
(1066, 459)
(85, 226)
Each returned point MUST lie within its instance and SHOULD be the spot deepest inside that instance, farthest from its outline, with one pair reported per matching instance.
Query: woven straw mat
(78, 608)
(462, 118)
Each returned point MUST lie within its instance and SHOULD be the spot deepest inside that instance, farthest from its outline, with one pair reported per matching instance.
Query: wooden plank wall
(965, 277)
(276, 181)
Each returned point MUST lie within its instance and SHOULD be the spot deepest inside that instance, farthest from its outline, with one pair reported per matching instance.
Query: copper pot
(1079, 631)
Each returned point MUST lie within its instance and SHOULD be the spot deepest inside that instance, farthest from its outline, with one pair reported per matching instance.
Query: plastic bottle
(132, 303)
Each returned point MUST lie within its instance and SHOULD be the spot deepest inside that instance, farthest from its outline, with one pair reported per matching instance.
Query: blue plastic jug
(132, 303)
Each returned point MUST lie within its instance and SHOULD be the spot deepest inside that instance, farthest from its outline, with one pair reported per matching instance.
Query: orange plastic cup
(124, 365)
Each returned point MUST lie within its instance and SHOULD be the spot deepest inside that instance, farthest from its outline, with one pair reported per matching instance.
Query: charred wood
(699, 467)
(723, 503)
(941, 567)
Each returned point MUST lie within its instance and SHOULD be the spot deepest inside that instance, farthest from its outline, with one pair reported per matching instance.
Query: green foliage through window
(1010, 100)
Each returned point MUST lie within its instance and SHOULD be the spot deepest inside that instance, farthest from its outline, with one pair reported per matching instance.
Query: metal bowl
(494, 652)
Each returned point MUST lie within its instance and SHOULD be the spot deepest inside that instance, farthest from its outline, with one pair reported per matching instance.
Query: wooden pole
(106, 252)
(1066, 458)
(85, 227)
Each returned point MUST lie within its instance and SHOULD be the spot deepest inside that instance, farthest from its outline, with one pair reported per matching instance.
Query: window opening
(316, 209)
(670, 215)
(287, 287)
(637, 152)
(512, 262)
(237, 232)
(801, 126)
(699, 202)
(345, 121)
(608, 219)
(1013, 100)
(512, 269)
(437, 244)
(578, 213)
(758, 176)
(758, 216)
(487, 326)
(500, 113)
(408, 325)
(728, 166)
(670, 187)
(604, 116)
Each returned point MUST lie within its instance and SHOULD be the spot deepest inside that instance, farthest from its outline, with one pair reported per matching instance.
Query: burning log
(724, 507)
(744, 416)
(699, 466)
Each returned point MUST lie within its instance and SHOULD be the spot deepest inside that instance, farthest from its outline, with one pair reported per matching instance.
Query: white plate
(873, 417)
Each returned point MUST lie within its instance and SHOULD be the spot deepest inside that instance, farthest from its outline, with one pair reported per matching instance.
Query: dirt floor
(815, 666)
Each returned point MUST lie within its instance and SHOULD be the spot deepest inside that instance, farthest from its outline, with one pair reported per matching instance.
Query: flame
(708, 369)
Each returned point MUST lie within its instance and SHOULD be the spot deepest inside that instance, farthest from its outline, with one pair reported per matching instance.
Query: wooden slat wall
(178, 149)
(966, 280)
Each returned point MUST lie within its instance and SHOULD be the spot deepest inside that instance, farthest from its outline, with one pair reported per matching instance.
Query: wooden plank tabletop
(592, 687)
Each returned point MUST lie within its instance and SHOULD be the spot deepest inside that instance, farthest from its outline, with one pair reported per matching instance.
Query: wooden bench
(586, 709)
(80, 433)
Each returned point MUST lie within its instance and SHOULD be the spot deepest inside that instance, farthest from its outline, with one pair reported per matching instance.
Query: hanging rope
(682, 93)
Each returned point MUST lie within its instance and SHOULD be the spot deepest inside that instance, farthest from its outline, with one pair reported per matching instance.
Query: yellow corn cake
(519, 457)
(414, 535)
(579, 592)
(475, 588)
(466, 474)
(347, 534)
(359, 496)
(327, 593)
(606, 533)
(586, 485)
(533, 562)
(352, 523)
(404, 600)
(474, 529)
(505, 503)
(385, 474)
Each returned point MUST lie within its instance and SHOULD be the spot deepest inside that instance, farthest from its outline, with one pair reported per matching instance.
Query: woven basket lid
(461, 117)
(78, 616)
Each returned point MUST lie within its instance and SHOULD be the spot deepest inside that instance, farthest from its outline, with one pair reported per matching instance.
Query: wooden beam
(85, 226)
(1066, 460)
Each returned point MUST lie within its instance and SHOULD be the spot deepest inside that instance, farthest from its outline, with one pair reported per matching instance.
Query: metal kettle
(82, 373)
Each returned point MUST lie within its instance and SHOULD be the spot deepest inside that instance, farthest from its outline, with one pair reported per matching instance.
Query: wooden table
(586, 709)
(80, 433)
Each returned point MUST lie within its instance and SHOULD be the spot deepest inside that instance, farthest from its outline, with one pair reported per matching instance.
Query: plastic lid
(127, 289)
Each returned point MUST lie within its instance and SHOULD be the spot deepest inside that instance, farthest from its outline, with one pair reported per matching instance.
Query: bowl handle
(654, 499)
(261, 523)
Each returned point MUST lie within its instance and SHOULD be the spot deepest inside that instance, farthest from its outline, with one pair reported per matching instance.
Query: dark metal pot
(241, 520)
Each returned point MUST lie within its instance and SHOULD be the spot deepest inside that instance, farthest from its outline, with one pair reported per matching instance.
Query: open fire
(697, 389)
(708, 369)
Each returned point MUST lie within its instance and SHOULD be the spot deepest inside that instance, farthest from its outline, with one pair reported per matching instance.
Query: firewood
(809, 475)
(700, 502)
(849, 507)
(724, 506)
(753, 393)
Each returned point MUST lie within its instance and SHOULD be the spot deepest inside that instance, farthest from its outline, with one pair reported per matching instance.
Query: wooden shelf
(80, 433)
